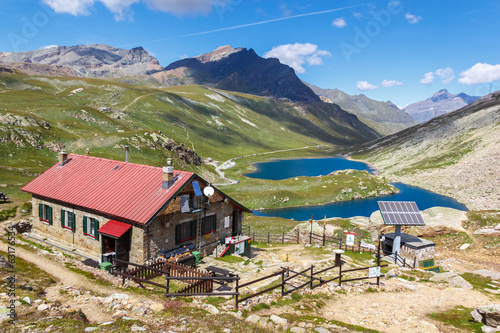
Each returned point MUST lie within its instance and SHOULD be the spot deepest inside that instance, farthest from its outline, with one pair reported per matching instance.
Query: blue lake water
(310, 167)
(359, 207)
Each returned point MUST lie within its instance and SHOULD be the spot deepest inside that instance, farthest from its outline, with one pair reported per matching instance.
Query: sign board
(229, 240)
(185, 204)
(374, 272)
(239, 248)
(227, 220)
(196, 188)
(349, 238)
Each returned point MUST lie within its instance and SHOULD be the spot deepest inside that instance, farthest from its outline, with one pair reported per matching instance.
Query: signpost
(349, 240)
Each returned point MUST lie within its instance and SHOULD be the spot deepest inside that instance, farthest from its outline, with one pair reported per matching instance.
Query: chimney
(168, 174)
(63, 157)
(126, 153)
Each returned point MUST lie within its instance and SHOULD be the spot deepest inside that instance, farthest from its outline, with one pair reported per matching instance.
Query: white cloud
(412, 18)
(392, 83)
(480, 73)
(428, 78)
(122, 7)
(73, 7)
(446, 74)
(48, 47)
(364, 85)
(296, 55)
(339, 22)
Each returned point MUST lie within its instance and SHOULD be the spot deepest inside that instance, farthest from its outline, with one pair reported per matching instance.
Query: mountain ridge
(439, 103)
(455, 154)
(385, 117)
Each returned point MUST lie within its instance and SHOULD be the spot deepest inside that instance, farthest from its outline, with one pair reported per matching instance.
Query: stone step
(492, 291)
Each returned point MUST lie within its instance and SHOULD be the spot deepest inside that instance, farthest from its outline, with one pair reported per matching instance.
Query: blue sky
(402, 51)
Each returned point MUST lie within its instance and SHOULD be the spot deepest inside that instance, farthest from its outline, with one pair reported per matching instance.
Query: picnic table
(220, 272)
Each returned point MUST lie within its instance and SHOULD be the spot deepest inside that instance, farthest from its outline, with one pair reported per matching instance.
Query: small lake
(309, 167)
(345, 209)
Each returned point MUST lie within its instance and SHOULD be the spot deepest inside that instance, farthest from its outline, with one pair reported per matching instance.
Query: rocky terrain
(385, 117)
(96, 60)
(82, 298)
(239, 70)
(455, 154)
(440, 103)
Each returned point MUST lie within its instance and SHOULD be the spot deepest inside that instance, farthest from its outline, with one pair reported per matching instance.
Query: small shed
(405, 213)
(413, 248)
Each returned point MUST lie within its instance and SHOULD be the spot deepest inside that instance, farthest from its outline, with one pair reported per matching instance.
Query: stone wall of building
(416, 255)
(77, 239)
(161, 232)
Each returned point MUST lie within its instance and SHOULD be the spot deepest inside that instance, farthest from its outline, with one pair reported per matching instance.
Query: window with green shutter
(45, 213)
(90, 227)
(68, 219)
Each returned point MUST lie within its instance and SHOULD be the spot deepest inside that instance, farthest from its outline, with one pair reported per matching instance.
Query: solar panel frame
(400, 213)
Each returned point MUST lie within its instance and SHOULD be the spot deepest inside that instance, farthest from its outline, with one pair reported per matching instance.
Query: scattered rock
(490, 314)
(453, 280)
(27, 300)
(278, 320)
(212, 309)
(156, 307)
(465, 246)
(322, 330)
(297, 330)
(254, 319)
(43, 307)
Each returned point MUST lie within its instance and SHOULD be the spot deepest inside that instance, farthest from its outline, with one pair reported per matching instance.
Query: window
(45, 213)
(90, 227)
(208, 224)
(190, 203)
(68, 220)
(185, 231)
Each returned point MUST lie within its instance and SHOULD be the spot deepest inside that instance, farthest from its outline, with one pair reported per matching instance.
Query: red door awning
(114, 228)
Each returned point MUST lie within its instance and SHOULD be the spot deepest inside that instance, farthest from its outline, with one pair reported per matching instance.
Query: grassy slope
(214, 123)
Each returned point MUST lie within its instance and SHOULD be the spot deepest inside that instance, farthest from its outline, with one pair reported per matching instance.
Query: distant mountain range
(83, 60)
(455, 154)
(385, 117)
(440, 103)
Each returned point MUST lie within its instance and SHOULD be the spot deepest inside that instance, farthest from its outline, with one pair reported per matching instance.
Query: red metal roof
(114, 228)
(125, 191)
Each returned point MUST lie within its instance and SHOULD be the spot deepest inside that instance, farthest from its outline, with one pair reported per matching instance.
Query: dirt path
(407, 311)
(135, 100)
(66, 278)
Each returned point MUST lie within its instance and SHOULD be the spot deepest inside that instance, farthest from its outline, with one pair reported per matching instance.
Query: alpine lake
(311, 167)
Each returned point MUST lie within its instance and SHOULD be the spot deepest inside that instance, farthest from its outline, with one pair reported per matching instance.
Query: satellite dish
(208, 191)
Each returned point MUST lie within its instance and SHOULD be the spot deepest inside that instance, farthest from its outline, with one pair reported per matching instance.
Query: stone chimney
(126, 153)
(63, 157)
(168, 174)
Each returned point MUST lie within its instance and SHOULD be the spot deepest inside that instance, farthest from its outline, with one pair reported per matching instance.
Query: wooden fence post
(253, 237)
(359, 246)
(283, 237)
(237, 294)
(268, 238)
(282, 282)
(311, 282)
(340, 275)
(298, 238)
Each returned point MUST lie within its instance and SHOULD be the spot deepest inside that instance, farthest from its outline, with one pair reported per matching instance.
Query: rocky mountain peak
(440, 103)
(218, 54)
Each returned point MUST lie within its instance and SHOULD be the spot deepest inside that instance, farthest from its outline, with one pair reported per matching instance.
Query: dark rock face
(89, 60)
(440, 103)
(244, 71)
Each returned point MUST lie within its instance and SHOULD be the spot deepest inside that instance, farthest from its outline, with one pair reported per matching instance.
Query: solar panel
(400, 213)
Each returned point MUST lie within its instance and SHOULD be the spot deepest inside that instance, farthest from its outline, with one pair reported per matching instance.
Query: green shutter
(40, 211)
(85, 224)
(96, 225)
(72, 218)
(62, 217)
(49, 214)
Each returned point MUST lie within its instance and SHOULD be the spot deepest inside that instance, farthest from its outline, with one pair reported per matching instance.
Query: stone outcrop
(487, 314)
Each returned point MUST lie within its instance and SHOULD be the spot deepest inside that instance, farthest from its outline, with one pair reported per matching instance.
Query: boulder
(22, 226)
(490, 314)
(278, 320)
(254, 319)
(452, 279)
(211, 309)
